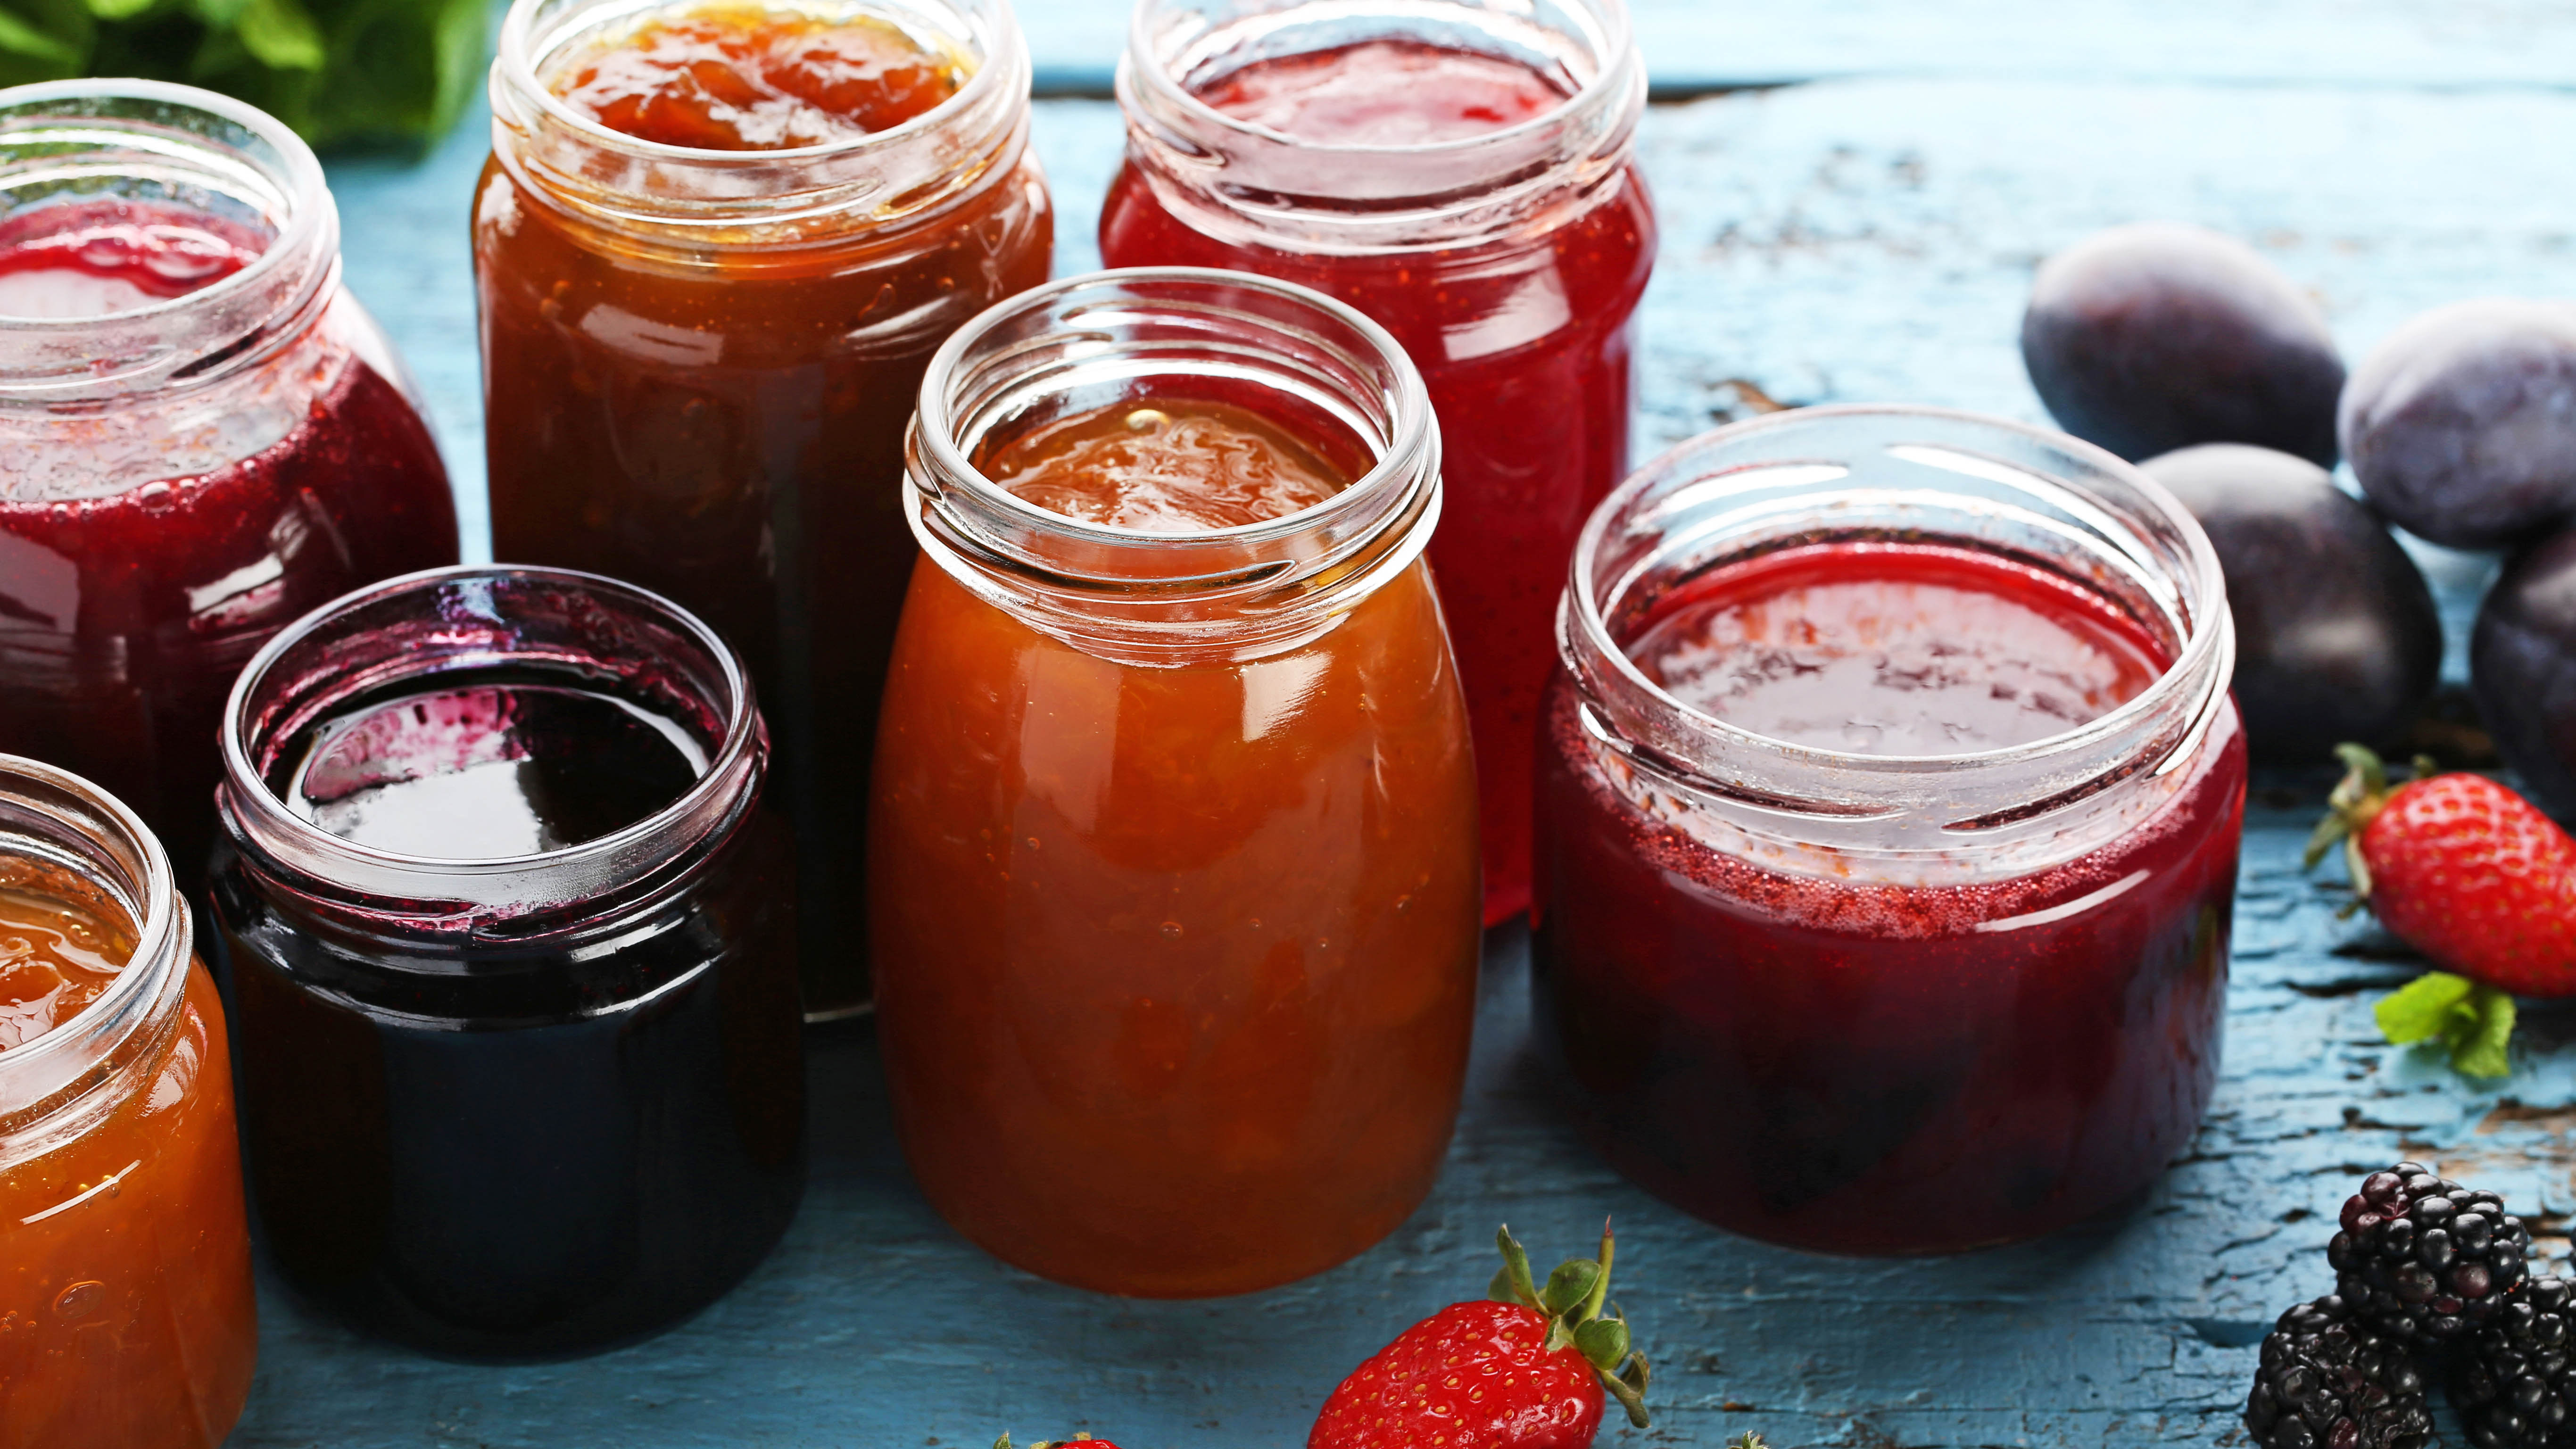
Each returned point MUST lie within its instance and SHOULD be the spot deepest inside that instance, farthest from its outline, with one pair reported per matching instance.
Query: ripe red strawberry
(1005, 1443)
(1524, 1371)
(2465, 870)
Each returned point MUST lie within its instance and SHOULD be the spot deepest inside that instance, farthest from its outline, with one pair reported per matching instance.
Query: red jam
(746, 78)
(1835, 1060)
(1525, 345)
(142, 560)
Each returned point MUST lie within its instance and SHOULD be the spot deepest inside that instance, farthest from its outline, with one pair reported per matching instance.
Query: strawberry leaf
(2474, 1022)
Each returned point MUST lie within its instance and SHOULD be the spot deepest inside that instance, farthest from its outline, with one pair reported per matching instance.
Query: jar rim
(654, 840)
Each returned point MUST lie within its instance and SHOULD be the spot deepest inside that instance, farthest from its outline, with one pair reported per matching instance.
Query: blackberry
(2328, 1382)
(2422, 1260)
(2515, 1384)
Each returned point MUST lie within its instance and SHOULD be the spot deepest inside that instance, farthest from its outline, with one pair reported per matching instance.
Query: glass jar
(1174, 873)
(1889, 1003)
(543, 1096)
(188, 464)
(697, 369)
(1508, 259)
(126, 1315)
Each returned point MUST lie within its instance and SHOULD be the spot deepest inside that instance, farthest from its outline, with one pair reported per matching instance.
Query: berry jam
(745, 78)
(1813, 1048)
(146, 550)
(1199, 935)
(1524, 342)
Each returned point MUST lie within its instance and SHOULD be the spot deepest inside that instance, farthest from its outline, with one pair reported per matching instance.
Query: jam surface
(1180, 466)
(1202, 937)
(493, 770)
(1524, 342)
(738, 77)
(55, 958)
(94, 258)
(1895, 649)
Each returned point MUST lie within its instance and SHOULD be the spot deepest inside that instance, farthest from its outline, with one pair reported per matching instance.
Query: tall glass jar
(201, 435)
(1174, 867)
(1892, 1002)
(698, 365)
(126, 1316)
(1463, 172)
(522, 1068)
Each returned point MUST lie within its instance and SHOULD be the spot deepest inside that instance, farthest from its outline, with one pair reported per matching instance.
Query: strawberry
(1005, 1443)
(1523, 1371)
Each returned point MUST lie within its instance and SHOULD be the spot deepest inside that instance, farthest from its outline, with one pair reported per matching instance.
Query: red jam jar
(1889, 799)
(715, 247)
(512, 946)
(1461, 171)
(126, 1314)
(201, 435)
(1174, 860)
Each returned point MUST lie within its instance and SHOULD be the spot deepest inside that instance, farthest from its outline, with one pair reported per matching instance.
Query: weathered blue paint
(1848, 241)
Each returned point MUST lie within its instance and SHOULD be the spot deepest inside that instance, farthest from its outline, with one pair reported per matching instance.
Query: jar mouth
(1832, 473)
(62, 820)
(990, 26)
(419, 626)
(211, 153)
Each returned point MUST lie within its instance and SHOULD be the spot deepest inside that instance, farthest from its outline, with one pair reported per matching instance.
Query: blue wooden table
(1853, 204)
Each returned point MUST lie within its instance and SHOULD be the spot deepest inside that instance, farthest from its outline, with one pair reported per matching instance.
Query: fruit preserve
(126, 1317)
(513, 962)
(1173, 847)
(201, 436)
(1463, 175)
(715, 247)
(1888, 816)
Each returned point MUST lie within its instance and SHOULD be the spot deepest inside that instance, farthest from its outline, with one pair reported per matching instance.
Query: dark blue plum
(2522, 668)
(2153, 337)
(2336, 634)
(2462, 425)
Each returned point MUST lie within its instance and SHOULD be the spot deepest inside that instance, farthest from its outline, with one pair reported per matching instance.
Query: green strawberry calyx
(1573, 1300)
(2357, 800)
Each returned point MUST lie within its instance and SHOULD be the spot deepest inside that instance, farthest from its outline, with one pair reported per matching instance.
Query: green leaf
(44, 40)
(2475, 1023)
(280, 34)
(1569, 1285)
(119, 9)
(1603, 1342)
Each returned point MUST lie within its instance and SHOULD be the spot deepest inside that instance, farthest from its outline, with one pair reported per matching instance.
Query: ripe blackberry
(2422, 1260)
(2515, 1384)
(2327, 1382)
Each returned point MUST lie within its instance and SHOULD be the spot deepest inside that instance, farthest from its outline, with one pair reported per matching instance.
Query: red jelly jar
(1462, 173)
(201, 435)
(1889, 799)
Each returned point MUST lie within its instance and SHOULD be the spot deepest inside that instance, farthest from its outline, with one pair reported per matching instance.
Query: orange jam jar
(1173, 843)
(715, 247)
(126, 1318)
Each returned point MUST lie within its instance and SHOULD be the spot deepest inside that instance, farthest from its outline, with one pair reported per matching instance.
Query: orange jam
(1176, 963)
(126, 1318)
(745, 78)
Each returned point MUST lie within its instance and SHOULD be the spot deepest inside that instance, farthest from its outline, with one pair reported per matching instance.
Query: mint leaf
(2475, 1022)
(279, 34)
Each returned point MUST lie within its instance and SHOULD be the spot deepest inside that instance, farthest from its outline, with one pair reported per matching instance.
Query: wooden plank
(1847, 241)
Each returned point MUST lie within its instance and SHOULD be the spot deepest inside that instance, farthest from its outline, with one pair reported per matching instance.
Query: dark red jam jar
(1889, 799)
(513, 963)
(201, 435)
(1462, 172)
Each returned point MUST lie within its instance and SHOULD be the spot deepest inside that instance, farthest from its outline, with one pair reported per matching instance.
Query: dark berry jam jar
(1463, 172)
(1889, 799)
(513, 965)
(201, 436)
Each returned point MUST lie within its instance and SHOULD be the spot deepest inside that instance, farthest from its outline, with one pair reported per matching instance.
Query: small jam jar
(1889, 799)
(1174, 840)
(1463, 172)
(704, 323)
(126, 1316)
(512, 956)
(201, 435)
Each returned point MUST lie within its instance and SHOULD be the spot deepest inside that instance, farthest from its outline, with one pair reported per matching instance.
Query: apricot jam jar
(1888, 816)
(126, 1317)
(1173, 851)
(512, 952)
(715, 248)
(1463, 172)
(201, 435)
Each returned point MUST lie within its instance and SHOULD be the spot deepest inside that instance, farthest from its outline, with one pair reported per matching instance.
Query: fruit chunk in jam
(55, 958)
(744, 78)
(1808, 1048)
